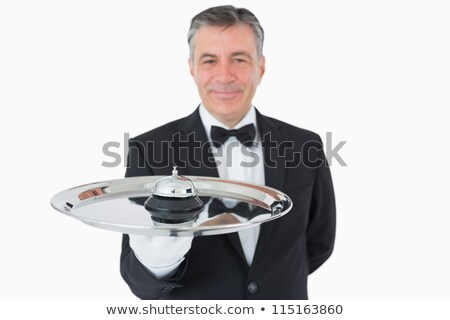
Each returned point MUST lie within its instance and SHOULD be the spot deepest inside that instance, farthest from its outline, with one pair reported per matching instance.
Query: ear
(191, 66)
(262, 67)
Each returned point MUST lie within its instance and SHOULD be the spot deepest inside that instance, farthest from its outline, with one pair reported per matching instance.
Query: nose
(225, 72)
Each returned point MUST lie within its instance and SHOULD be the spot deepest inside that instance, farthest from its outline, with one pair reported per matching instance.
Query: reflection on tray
(91, 193)
(218, 211)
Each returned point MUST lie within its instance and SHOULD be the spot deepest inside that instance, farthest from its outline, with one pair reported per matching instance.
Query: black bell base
(173, 210)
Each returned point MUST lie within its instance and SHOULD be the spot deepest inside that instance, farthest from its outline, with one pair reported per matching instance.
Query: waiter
(227, 137)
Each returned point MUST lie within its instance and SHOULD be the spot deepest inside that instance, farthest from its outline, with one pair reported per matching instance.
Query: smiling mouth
(225, 95)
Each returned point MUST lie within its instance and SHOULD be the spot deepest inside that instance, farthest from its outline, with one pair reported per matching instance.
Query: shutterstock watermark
(191, 152)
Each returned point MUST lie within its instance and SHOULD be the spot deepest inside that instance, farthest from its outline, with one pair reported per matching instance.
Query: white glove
(160, 255)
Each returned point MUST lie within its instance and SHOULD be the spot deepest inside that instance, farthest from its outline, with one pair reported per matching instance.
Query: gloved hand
(160, 255)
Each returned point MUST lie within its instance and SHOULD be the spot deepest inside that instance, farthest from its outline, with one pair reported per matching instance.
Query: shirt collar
(209, 120)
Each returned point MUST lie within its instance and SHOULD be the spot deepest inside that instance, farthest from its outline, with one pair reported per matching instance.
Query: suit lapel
(274, 168)
(274, 165)
(200, 162)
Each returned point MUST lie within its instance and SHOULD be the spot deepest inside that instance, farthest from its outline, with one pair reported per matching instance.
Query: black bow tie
(245, 135)
(242, 209)
(217, 207)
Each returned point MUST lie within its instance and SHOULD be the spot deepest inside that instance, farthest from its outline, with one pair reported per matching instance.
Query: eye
(209, 61)
(239, 60)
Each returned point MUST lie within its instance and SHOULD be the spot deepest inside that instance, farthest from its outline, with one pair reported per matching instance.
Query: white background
(75, 75)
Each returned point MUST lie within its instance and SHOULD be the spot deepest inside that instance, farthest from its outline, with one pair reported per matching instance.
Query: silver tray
(117, 205)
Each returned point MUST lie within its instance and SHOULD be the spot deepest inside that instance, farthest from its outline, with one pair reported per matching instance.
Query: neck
(230, 123)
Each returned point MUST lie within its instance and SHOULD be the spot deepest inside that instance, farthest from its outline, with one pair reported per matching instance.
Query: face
(227, 70)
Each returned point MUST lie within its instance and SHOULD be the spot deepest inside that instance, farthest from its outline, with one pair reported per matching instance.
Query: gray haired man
(274, 260)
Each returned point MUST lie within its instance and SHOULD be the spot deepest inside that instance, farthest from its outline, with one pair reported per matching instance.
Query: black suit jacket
(288, 248)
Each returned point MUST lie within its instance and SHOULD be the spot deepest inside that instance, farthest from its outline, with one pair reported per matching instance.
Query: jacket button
(252, 287)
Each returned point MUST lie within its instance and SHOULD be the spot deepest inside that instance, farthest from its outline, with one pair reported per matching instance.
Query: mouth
(225, 95)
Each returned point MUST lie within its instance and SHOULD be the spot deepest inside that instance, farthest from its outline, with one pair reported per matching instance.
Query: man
(268, 262)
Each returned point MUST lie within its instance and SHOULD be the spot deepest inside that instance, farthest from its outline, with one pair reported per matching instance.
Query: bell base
(173, 210)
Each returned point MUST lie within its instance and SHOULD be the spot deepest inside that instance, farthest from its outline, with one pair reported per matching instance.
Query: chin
(227, 111)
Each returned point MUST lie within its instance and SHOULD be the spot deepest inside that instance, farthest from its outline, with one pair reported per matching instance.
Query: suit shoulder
(295, 132)
(160, 133)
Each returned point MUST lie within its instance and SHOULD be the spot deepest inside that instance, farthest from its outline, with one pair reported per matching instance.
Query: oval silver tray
(117, 205)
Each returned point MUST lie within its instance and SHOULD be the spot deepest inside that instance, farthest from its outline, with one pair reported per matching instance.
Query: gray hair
(225, 16)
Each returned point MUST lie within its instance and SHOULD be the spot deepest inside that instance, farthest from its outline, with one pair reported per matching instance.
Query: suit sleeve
(322, 221)
(138, 278)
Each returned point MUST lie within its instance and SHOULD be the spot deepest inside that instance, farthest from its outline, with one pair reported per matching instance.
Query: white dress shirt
(233, 164)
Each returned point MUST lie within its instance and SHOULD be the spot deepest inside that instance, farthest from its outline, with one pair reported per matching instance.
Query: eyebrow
(207, 55)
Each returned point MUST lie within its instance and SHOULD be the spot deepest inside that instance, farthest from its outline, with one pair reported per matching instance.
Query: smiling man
(274, 260)
(227, 69)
